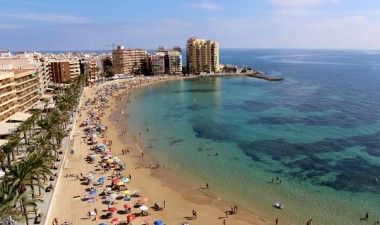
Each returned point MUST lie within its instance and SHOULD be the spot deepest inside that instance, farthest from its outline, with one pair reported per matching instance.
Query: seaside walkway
(45, 207)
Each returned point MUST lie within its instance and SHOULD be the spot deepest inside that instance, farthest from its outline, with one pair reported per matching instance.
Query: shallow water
(318, 131)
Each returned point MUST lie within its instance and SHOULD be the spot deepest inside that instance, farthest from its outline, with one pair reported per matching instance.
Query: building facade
(127, 61)
(202, 55)
(19, 91)
(173, 60)
(64, 71)
(8, 98)
(158, 63)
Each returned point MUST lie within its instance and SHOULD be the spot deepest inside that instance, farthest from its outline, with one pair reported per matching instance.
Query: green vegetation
(22, 177)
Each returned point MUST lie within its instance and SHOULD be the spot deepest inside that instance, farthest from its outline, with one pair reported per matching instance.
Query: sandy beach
(158, 185)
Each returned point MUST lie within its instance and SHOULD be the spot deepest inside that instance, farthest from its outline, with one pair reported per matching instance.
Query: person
(226, 212)
(224, 222)
(207, 185)
(367, 216)
(276, 221)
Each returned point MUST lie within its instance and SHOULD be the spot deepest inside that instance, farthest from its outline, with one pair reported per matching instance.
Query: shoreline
(157, 184)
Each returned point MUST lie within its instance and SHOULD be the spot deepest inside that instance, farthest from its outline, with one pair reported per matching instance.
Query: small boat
(278, 205)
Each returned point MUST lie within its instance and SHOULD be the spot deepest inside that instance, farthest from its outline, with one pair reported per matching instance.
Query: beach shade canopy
(128, 205)
(115, 220)
(158, 222)
(125, 192)
(89, 174)
(148, 220)
(113, 196)
(112, 209)
(102, 146)
(143, 208)
(120, 183)
(131, 217)
(92, 193)
(124, 179)
(102, 178)
(115, 180)
(108, 189)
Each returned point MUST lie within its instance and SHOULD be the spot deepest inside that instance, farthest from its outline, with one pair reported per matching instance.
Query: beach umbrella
(92, 193)
(108, 189)
(104, 141)
(102, 224)
(144, 199)
(91, 177)
(119, 183)
(110, 160)
(89, 174)
(116, 160)
(148, 220)
(143, 208)
(124, 179)
(128, 205)
(125, 192)
(131, 217)
(108, 153)
(115, 180)
(112, 209)
(158, 222)
(102, 178)
(115, 220)
(113, 196)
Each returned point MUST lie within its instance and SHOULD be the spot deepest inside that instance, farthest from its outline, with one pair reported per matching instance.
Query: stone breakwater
(260, 75)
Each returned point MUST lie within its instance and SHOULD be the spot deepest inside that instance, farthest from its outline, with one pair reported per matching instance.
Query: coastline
(181, 196)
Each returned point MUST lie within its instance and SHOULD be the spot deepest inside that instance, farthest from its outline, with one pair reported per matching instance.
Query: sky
(42, 25)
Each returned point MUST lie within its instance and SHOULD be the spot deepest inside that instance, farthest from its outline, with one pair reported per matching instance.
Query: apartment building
(24, 60)
(8, 97)
(127, 61)
(158, 63)
(202, 55)
(173, 60)
(89, 67)
(28, 90)
(19, 91)
(65, 71)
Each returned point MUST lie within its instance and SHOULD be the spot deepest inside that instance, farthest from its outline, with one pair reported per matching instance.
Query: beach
(158, 185)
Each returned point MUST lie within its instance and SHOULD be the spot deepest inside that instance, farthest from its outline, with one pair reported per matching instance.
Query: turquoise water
(319, 131)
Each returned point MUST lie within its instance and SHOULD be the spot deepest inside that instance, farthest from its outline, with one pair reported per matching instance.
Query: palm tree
(9, 198)
(48, 124)
(8, 148)
(41, 143)
(22, 175)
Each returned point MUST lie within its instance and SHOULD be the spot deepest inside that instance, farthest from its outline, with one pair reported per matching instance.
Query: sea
(310, 142)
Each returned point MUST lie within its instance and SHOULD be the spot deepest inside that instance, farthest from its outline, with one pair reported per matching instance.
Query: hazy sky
(91, 24)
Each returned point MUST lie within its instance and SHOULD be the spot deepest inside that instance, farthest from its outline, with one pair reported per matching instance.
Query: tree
(8, 148)
(22, 174)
